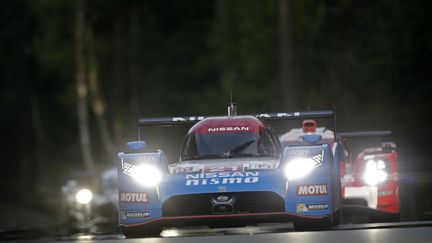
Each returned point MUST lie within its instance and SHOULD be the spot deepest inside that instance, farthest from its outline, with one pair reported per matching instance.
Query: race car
(89, 202)
(369, 184)
(372, 186)
(232, 172)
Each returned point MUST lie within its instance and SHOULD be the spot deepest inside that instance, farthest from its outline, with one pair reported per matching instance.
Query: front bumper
(384, 199)
(367, 193)
(246, 218)
(372, 215)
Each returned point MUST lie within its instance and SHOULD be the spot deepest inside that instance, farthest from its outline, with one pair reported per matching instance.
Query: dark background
(178, 57)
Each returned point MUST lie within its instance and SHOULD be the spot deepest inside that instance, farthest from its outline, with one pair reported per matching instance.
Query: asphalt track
(411, 232)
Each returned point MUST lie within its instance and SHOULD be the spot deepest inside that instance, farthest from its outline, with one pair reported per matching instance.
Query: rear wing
(169, 121)
(387, 147)
(364, 134)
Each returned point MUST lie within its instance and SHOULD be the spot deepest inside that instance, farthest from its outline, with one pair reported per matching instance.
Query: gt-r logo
(134, 197)
(312, 190)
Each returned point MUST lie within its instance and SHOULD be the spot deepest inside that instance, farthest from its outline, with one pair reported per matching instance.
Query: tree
(287, 57)
(97, 98)
(81, 87)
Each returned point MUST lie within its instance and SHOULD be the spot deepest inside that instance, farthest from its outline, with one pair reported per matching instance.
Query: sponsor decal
(199, 118)
(312, 190)
(306, 207)
(183, 168)
(301, 207)
(221, 178)
(283, 114)
(191, 118)
(262, 165)
(222, 168)
(227, 129)
(233, 167)
(141, 158)
(297, 152)
(385, 193)
(134, 197)
(134, 214)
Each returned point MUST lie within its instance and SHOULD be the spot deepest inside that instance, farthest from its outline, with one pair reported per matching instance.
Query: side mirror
(312, 138)
(136, 145)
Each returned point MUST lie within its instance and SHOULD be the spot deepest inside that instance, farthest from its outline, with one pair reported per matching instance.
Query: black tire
(315, 225)
(142, 233)
(395, 218)
(338, 217)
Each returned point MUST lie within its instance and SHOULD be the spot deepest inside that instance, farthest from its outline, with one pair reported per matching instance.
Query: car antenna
(138, 127)
(390, 118)
(232, 107)
(262, 110)
(334, 121)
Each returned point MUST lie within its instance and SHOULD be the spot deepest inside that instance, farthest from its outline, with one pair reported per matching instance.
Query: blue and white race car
(232, 171)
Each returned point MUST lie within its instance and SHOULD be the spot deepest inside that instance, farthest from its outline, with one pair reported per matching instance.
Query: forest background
(73, 75)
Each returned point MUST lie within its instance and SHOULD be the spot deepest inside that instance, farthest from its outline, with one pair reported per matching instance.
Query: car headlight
(374, 172)
(84, 196)
(298, 168)
(147, 175)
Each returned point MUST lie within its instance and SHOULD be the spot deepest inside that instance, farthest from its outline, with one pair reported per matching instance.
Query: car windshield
(229, 145)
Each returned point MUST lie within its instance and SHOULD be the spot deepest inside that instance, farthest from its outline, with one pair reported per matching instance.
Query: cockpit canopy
(230, 137)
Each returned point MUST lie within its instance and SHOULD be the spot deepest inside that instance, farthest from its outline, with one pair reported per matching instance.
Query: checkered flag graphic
(128, 168)
(318, 159)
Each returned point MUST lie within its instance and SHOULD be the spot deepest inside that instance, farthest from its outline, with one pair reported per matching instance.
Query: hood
(222, 175)
(224, 165)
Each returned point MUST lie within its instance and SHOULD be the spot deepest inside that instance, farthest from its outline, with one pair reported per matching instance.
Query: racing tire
(315, 225)
(338, 217)
(391, 217)
(395, 218)
(142, 233)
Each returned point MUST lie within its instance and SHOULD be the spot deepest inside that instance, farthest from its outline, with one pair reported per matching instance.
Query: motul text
(312, 190)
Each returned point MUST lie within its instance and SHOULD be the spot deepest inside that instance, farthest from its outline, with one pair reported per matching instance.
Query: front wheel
(313, 225)
(338, 217)
(142, 233)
